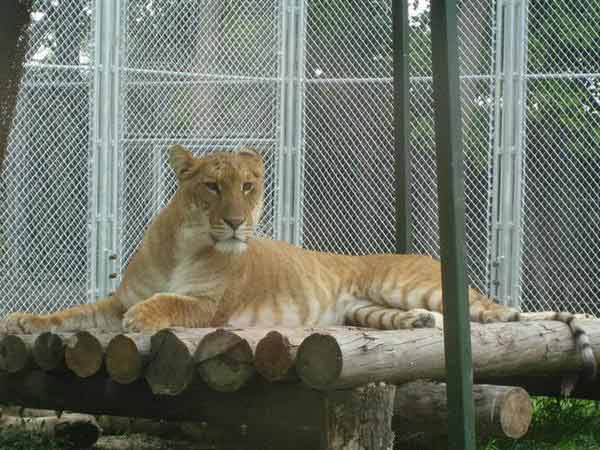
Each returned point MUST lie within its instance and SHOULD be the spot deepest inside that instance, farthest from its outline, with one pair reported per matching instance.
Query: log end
(77, 433)
(516, 413)
(84, 354)
(171, 365)
(319, 361)
(49, 351)
(224, 360)
(14, 354)
(273, 358)
(123, 360)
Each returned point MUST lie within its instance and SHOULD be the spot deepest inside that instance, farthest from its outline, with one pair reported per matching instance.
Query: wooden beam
(500, 411)
(345, 358)
(272, 416)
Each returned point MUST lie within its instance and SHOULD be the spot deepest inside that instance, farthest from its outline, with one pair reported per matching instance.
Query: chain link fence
(44, 194)
(110, 85)
(202, 74)
(561, 174)
(348, 201)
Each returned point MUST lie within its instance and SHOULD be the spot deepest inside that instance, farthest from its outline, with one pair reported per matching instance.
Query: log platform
(331, 388)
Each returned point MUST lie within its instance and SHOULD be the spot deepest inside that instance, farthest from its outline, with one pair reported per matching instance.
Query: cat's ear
(250, 152)
(181, 160)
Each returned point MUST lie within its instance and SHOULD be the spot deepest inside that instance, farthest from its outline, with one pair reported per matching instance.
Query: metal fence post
(508, 148)
(116, 119)
(104, 161)
(402, 166)
(288, 213)
(448, 137)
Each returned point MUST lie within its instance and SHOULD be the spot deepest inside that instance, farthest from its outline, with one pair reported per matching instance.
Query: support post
(105, 155)
(288, 220)
(402, 165)
(457, 339)
(508, 181)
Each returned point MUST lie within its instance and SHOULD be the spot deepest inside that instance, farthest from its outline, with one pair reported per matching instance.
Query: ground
(557, 425)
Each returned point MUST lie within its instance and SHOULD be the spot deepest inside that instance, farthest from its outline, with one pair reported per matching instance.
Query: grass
(557, 425)
(20, 440)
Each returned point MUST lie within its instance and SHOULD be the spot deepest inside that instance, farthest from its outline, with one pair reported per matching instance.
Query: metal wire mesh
(44, 212)
(202, 74)
(348, 202)
(561, 209)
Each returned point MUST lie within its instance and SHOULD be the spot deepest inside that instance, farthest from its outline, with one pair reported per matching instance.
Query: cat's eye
(247, 187)
(212, 187)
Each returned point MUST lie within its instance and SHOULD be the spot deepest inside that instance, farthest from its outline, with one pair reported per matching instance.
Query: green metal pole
(401, 125)
(457, 333)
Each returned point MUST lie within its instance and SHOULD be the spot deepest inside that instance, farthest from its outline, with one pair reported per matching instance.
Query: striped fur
(200, 265)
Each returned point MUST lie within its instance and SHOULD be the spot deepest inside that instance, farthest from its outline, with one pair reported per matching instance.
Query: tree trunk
(14, 39)
(346, 358)
(361, 418)
(500, 411)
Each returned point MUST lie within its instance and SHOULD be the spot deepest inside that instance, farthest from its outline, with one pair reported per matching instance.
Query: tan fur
(194, 269)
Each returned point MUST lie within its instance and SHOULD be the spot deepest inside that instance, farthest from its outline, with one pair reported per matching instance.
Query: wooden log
(171, 367)
(84, 352)
(550, 386)
(108, 424)
(361, 418)
(345, 358)
(143, 442)
(127, 356)
(49, 351)
(15, 352)
(76, 430)
(500, 411)
(225, 359)
(19, 411)
(134, 425)
(268, 416)
(275, 355)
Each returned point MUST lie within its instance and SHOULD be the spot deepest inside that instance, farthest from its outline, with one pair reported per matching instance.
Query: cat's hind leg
(364, 313)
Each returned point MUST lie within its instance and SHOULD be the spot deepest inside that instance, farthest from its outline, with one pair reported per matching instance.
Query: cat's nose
(234, 222)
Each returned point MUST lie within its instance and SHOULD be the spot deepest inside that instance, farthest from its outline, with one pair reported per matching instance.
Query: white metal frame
(508, 147)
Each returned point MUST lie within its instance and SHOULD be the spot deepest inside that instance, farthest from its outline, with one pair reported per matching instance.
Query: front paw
(139, 320)
(23, 323)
